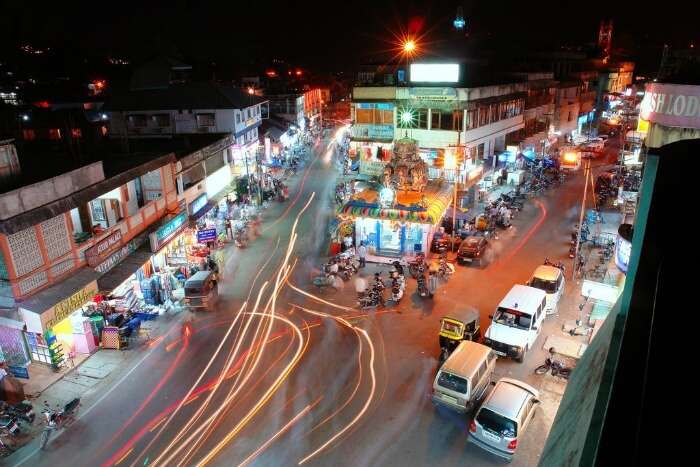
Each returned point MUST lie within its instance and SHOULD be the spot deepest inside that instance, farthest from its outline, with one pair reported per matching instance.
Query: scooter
(371, 299)
(445, 269)
(396, 292)
(325, 280)
(58, 419)
(417, 266)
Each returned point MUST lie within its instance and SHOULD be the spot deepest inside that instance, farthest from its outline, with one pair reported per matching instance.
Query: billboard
(434, 72)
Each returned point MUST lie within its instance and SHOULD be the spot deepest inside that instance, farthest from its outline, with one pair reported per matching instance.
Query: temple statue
(406, 169)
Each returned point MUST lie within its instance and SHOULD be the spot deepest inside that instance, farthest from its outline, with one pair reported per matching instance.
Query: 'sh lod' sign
(673, 105)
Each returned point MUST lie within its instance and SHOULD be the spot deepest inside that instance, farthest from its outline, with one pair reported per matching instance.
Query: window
(513, 318)
(54, 133)
(472, 119)
(569, 117)
(28, 134)
(452, 382)
(547, 286)
(238, 117)
(434, 119)
(137, 121)
(457, 120)
(497, 423)
(246, 114)
(421, 118)
(162, 120)
(206, 120)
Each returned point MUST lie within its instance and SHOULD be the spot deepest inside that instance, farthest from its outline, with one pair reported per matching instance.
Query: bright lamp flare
(406, 117)
(409, 46)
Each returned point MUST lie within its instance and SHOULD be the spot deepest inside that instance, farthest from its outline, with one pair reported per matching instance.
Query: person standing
(360, 285)
(347, 242)
(362, 253)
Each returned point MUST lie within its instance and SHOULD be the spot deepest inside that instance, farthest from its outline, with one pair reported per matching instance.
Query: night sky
(315, 33)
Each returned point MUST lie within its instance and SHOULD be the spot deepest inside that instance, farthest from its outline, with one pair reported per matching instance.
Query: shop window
(38, 348)
(206, 120)
(137, 121)
(364, 116)
(28, 134)
(54, 133)
(434, 119)
(472, 119)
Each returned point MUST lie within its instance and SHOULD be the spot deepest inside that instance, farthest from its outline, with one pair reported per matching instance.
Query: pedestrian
(362, 252)
(432, 283)
(347, 242)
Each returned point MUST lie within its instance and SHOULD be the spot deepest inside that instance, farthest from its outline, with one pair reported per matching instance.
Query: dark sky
(330, 32)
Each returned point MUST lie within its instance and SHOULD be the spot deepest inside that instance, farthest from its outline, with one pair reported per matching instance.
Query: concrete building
(197, 108)
(92, 228)
(481, 119)
(537, 131)
(302, 109)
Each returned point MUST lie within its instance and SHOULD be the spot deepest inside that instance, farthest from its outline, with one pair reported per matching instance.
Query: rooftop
(207, 95)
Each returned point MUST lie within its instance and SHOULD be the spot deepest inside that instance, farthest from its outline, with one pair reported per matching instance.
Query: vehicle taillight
(472, 426)
(513, 444)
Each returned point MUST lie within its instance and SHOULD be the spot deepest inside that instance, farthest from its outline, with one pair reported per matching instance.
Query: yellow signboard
(65, 308)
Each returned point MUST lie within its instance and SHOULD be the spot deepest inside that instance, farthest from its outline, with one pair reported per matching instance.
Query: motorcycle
(9, 424)
(417, 266)
(58, 419)
(397, 289)
(556, 367)
(371, 299)
(325, 280)
(23, 410)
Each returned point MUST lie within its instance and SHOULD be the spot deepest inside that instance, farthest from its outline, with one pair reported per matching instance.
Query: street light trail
(363, 410)
(281, 431)
(236, 387)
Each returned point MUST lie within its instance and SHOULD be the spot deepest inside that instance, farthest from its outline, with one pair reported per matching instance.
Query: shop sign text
(65, 308)
(198, 204)
(372, 168)
(673, 105)
(372, 131)
(103, 248)
(165, 233)
(116, 258)
(206, 235)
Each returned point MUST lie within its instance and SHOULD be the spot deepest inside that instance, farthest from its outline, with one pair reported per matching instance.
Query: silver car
(503, 417)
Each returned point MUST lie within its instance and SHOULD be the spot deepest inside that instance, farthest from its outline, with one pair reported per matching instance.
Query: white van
(517, 322)
(464, 377)
(551, 280)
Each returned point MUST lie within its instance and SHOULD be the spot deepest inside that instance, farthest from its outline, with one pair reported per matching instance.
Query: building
(302, 109)
(478, 116)
(537, 132)
(104, 226)
(188, 109)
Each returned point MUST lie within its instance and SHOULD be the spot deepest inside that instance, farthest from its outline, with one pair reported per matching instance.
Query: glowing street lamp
(406, 117)
(409, 46)
(251, 91)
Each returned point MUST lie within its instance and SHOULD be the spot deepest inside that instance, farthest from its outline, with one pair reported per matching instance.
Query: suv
(472, 250)
(503, 417)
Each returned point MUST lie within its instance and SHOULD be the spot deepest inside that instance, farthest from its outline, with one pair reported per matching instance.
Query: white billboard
(434, 72)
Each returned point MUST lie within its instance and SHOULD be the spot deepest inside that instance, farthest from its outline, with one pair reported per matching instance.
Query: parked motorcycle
(58, 419)
(325, 280)
(556, 367)
(371, 299)
(418, 266)
(23, 410)
(9, 424)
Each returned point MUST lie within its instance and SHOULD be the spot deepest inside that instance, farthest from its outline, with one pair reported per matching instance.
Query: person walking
(362, 253)
(347, 242)
(360, 285)
(432, 283)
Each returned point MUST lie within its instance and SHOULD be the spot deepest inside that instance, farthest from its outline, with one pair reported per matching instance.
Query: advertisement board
(372, 131)
(206, 235)
(168, 231)
(94, 255)
(372, 168)
(674, 105)
(434, 72)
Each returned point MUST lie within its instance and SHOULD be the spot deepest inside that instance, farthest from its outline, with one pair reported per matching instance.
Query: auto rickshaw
(458, 326)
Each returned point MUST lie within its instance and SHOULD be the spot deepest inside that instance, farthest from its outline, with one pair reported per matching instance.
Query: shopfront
(53, 333)
(405, 229)
(244, 159)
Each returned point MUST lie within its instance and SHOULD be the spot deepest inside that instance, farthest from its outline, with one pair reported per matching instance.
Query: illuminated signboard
(198, 204)
(623, 249)
(434, 72)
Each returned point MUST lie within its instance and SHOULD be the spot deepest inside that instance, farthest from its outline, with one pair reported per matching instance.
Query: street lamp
(409, 46)
(406, 117)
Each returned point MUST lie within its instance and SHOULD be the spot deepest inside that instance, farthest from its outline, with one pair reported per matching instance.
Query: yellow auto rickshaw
(458, 326)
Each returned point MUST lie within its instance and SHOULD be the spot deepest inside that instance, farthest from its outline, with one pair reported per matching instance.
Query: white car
(517, 322)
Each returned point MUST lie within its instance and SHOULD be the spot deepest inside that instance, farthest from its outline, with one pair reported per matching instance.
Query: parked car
(472, 249)
(550, 279)
(504, 417)
(445, 241)
(517, 322)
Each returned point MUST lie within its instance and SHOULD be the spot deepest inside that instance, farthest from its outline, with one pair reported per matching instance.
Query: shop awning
(42, 301)
(437, 201)
(128, 266)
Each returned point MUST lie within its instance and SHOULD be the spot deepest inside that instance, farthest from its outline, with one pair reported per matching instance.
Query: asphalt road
(305, 381)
